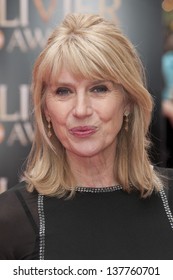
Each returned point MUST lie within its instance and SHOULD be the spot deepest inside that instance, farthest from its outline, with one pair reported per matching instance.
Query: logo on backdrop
(3, 184)
(167, 5)
(2, 39)
(25, 38)
(2, 133)
(20, 129)
(22, 37)
(45, 14)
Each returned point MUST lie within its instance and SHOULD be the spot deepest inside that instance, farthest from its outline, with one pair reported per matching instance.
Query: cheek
(112, 113)
(112, 118)
(58, 118)
(58, 121)
(56, 113)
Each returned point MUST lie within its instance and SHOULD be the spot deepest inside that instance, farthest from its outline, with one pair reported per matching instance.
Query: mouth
(83, 131)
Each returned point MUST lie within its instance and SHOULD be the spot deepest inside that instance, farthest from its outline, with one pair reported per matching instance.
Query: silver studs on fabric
(41, 227)
(166, 207)
(99, 190)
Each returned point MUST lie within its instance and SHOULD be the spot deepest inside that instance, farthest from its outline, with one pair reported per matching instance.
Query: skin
(86, 117)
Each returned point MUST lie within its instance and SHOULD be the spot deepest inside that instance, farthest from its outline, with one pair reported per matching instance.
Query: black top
(92, 225)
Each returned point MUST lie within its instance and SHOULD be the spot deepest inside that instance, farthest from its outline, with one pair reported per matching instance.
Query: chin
(84, 152)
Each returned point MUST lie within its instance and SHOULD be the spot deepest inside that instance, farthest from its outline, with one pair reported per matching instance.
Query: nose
(83, 106)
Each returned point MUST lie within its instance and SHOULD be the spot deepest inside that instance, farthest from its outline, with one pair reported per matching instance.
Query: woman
(89, 190)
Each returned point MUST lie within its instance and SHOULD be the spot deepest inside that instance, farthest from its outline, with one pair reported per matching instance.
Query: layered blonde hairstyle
(94, 48)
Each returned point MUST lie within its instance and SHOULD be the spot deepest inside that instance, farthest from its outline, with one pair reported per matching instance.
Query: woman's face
(86, 115)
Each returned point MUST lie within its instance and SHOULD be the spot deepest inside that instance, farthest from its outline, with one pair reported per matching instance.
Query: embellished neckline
(99, 189)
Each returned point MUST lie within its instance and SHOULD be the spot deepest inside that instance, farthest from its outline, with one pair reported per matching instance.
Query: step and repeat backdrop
(24, 28)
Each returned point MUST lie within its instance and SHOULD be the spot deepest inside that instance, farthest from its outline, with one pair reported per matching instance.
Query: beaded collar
(99, 190)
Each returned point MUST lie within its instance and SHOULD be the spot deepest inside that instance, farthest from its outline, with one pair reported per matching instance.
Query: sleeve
(8, 223)
(18, 238)
(170, 188)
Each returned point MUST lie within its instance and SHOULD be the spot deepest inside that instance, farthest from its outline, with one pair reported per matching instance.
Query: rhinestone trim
(42, 227)
(90, 190)
(166, 207)
(99, 190)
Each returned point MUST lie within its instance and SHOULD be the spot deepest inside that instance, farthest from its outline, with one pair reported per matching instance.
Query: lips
(83, 131)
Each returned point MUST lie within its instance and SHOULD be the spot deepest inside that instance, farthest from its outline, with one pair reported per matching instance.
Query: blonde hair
(91, 47)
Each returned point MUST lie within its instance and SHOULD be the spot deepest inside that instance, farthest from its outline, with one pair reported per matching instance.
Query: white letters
(22, 130)
(23, 113)
(21, 133)
(3, 184)
(3, 106)
(37, 39)
(21, 20)
(25, 40)
(29, 131)
(17, 41)
(24, 102)
(17, 134)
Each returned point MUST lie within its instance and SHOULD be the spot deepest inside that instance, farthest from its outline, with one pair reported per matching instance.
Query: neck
(97, 171)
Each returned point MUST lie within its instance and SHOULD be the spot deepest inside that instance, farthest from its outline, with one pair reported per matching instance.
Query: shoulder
(8, 197)
(16, 205)
(169, 187)
(11, 194)
(166, 175)
(14, 200)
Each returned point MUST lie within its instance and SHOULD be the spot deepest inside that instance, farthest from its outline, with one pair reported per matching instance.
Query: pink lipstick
(83, 131)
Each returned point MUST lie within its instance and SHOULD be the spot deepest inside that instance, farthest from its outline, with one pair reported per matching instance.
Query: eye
(100, 89)
(62, 91)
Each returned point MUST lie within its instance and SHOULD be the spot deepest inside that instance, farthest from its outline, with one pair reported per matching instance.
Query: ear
(127, 109)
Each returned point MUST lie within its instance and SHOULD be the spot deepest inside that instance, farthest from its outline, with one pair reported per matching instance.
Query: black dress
(97, 224)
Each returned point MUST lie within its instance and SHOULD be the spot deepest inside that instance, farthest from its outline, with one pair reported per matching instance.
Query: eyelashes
(65, 91)
(100, 89)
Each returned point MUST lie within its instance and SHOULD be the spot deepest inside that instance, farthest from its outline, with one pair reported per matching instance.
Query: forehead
(66, 78)
(66, 74)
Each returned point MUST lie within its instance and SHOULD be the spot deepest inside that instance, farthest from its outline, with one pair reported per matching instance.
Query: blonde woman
(89, 189)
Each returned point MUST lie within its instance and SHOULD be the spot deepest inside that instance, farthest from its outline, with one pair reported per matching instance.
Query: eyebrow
(102, 81)
(93, 83)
